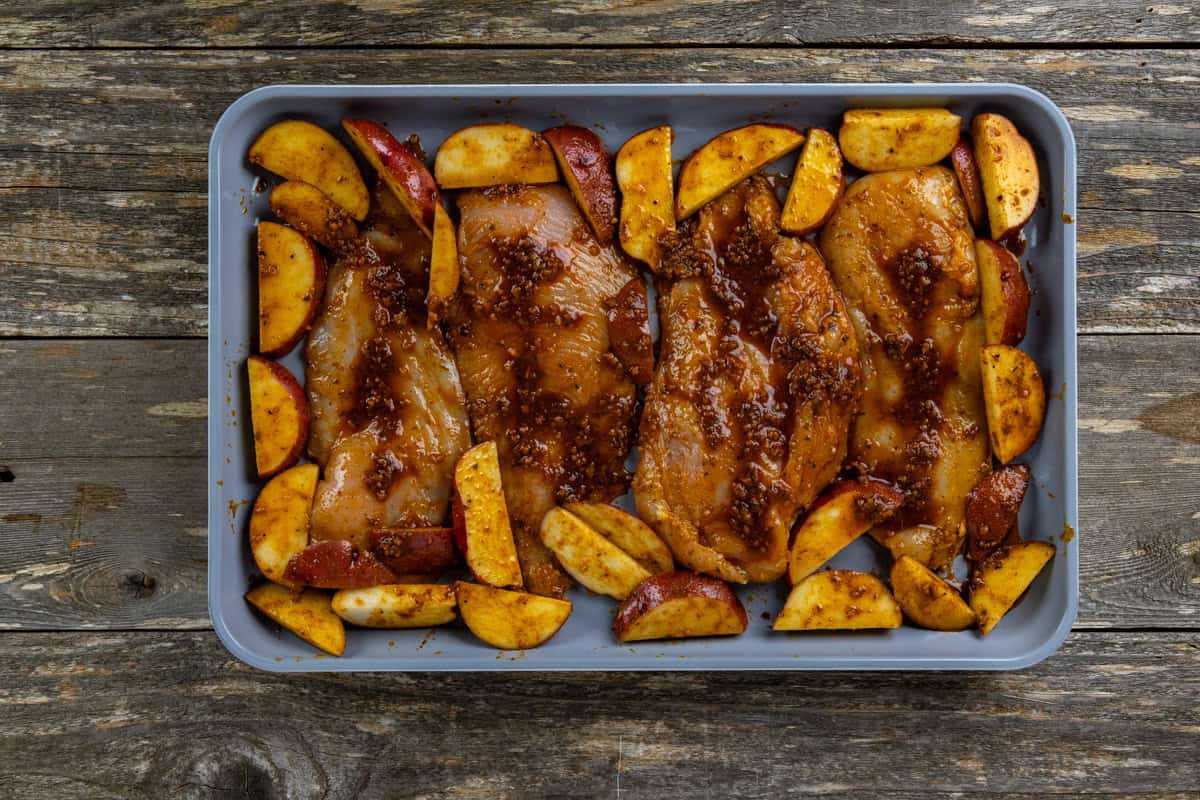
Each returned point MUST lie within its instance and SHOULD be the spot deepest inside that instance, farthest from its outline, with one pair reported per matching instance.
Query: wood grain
(152, 715)
(91, 140)
(105, 527)
(413, 23)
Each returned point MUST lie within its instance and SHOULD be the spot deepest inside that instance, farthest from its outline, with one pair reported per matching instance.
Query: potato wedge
(1004, 293)
(414, 551)
(845, 511)
(728, 159)
(838, 600)
(337, 564)
(598, 564)
(490, 552)
(1000, 581)
(587, 166)
(291, 286)
(279, 521)
(307, 614)
(307, 209)
(493, 154)
(679, 605)
(399, 167)
(1008, 171)
(629, 331)
(962, 159)
(1014, 398)
(278, 415)
(300, 151)
(647, 193)
(928, 600)
(992, 509)
(444, 271)
(397, 605)
(880, 139)
(510, 620)
(628, 533)
(817, 184)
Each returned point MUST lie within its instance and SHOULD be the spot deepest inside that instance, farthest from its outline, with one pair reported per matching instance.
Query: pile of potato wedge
(314, 588)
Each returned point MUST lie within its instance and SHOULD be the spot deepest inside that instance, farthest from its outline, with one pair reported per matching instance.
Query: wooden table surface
(112, 683)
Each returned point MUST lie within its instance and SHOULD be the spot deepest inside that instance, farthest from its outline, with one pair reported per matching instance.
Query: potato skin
(414, 551)
(337, 564)
(992, 509)
(404, 173)
(587, 165)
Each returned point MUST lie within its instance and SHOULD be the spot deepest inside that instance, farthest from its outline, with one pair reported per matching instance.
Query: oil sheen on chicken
(530, 331)
(901, 250)
(388, 413)
(747, 416)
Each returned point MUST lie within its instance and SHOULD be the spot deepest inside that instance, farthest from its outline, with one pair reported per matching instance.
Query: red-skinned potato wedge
(493, 154)
(839, 600)
(1008, 171)
(337, 564)
(629, 331)
(628, 533)
(677, 605)
(845, 511)
(414, 551)
(1014, 398)
(647, 193)
(291, 286)
(300, 151)
(962, 159)
(397, 605)
(1000, 581)
(444, 272)
(279, 521)
(928, 600)
(817, 185)
(880, 139)
(306, 613)
(278, 415)
(490, 551)
(510, 620)
(992, 509)
(1004, 293)
(310, 211)
(728, 159)
(587, 166)
(399, 167)
(598, 564)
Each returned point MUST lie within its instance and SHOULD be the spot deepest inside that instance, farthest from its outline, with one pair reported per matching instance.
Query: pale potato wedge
(300, 151)
(598, 564)
(880, 139)
(921, 542)
(399, 167)
(628, 533)
(310, 211)
(510, 620)
(444, 271)
(1014, 398)
(728, 159)
(1008, 171)
(279, 521)
(928, 600)
(307, 614)
(845, 511)
(1001, 580)
(817, 184)
(587, 167)
(397, 605)
(490, 552)
(647, 193)
(679, 605)
(291, 286)
(278, 416)
(1004, 293)
(493, 154)
(839, 600)
(962, 159)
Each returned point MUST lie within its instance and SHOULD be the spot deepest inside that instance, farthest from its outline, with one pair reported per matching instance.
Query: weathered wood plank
(197, 23)
(151, 715)
(104, 525)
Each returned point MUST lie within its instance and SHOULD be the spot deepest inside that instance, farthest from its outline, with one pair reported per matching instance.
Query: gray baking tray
(1032, 631)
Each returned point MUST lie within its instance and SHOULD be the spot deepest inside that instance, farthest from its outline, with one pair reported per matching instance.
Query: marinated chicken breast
(900, 248)
(747, 416)
(388, 413)
(531, 334)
